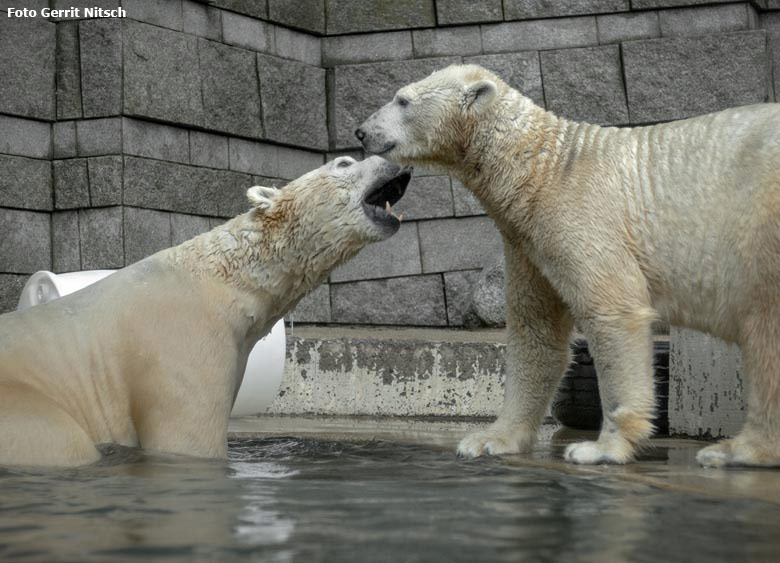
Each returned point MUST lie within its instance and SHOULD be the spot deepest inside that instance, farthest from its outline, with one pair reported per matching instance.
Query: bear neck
(511, 155)
(256, 256)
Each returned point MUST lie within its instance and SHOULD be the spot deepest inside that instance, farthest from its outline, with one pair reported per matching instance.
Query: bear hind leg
(758, 443)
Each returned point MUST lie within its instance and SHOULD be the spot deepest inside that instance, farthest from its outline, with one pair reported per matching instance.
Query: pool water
(297, 500)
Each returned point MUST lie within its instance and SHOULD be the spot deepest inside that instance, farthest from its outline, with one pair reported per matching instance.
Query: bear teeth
(389, 210)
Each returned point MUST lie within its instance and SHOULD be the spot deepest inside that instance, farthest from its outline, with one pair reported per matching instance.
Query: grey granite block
(209, 150)
(466, 203)
(158, 185)
(227, 189)
(248, 33)
(646, 4)
(37, 5)
(533, 35)
(215, 222)
(303, 14)
(703, 20)
(105, 180)
(71, 183)
(367, 48)
(770, 21)
(520, 70)
(68, 71)
(100, 45)
(417, 300)
(146, 232)
(313, 308)
(359, 90)
(153, 140)
(266, 181)
(253, 158)
(439, 42)
(254, 8)
(527, 9)
(168, 186)
(201, 20)
(167, 13)
(426, 197)
(682, 77)
(615, 28)
(101, 238)
(185, 227)
(27, 67)
(231, 96)
(293, 101)
(585, 84)
(25, 183)
(160, 75)
(64, 139)
(457, 288)
(25, 241)
(25, 137)
(66, 252)
(397, 256)
(96, 137)
(354, 16)
(81, 5)
(458, 244)
(298, 46)
(10, 289)
(296, 162)
(449, 12)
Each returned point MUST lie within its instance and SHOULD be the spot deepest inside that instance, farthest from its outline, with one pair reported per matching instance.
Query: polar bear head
(344, 200)
(431, 121)
(303, 230)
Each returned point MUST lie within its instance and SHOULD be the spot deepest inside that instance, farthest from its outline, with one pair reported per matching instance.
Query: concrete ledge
(404, 372)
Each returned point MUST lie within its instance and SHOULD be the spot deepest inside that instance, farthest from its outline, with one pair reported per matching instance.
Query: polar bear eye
(344, 163)
(403, 102)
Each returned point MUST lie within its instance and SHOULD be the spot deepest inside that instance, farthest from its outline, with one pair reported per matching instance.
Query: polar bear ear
(262, 197)
(479, 95)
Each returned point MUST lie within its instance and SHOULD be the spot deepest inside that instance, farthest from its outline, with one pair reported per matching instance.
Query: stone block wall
(120, 137)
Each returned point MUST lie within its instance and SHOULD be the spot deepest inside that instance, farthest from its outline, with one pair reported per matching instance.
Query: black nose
(360, 134)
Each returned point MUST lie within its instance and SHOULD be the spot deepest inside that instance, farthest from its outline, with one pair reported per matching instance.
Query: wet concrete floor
(669, 463)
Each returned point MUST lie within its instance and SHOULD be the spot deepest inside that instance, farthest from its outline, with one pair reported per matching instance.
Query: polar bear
(610, 228)
(153, 355)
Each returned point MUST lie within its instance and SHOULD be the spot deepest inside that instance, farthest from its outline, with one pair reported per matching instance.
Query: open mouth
(379, 200)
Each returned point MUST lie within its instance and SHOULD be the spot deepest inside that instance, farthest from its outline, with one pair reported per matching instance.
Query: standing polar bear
(153, 355)
(610, 228)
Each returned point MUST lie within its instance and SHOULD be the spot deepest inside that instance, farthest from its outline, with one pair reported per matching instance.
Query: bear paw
(591, 453)
(718, 455)
(739, 451)
(496, 440)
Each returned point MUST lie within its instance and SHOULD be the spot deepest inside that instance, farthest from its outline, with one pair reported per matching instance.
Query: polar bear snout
(375, 137)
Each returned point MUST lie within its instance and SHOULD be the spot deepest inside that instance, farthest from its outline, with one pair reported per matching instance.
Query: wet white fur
(611, 228)
(153, 355)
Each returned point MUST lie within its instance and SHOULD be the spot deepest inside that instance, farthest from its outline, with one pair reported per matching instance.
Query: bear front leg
(538, 329)
(621, 344)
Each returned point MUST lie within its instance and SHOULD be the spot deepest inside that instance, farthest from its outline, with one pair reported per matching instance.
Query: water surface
(297, 500)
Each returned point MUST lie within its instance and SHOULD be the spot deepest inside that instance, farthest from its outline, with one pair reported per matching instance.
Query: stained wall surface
(120, 137)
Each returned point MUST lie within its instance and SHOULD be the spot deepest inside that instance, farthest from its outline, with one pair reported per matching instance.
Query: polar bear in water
(610, 228)
(153, 355)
